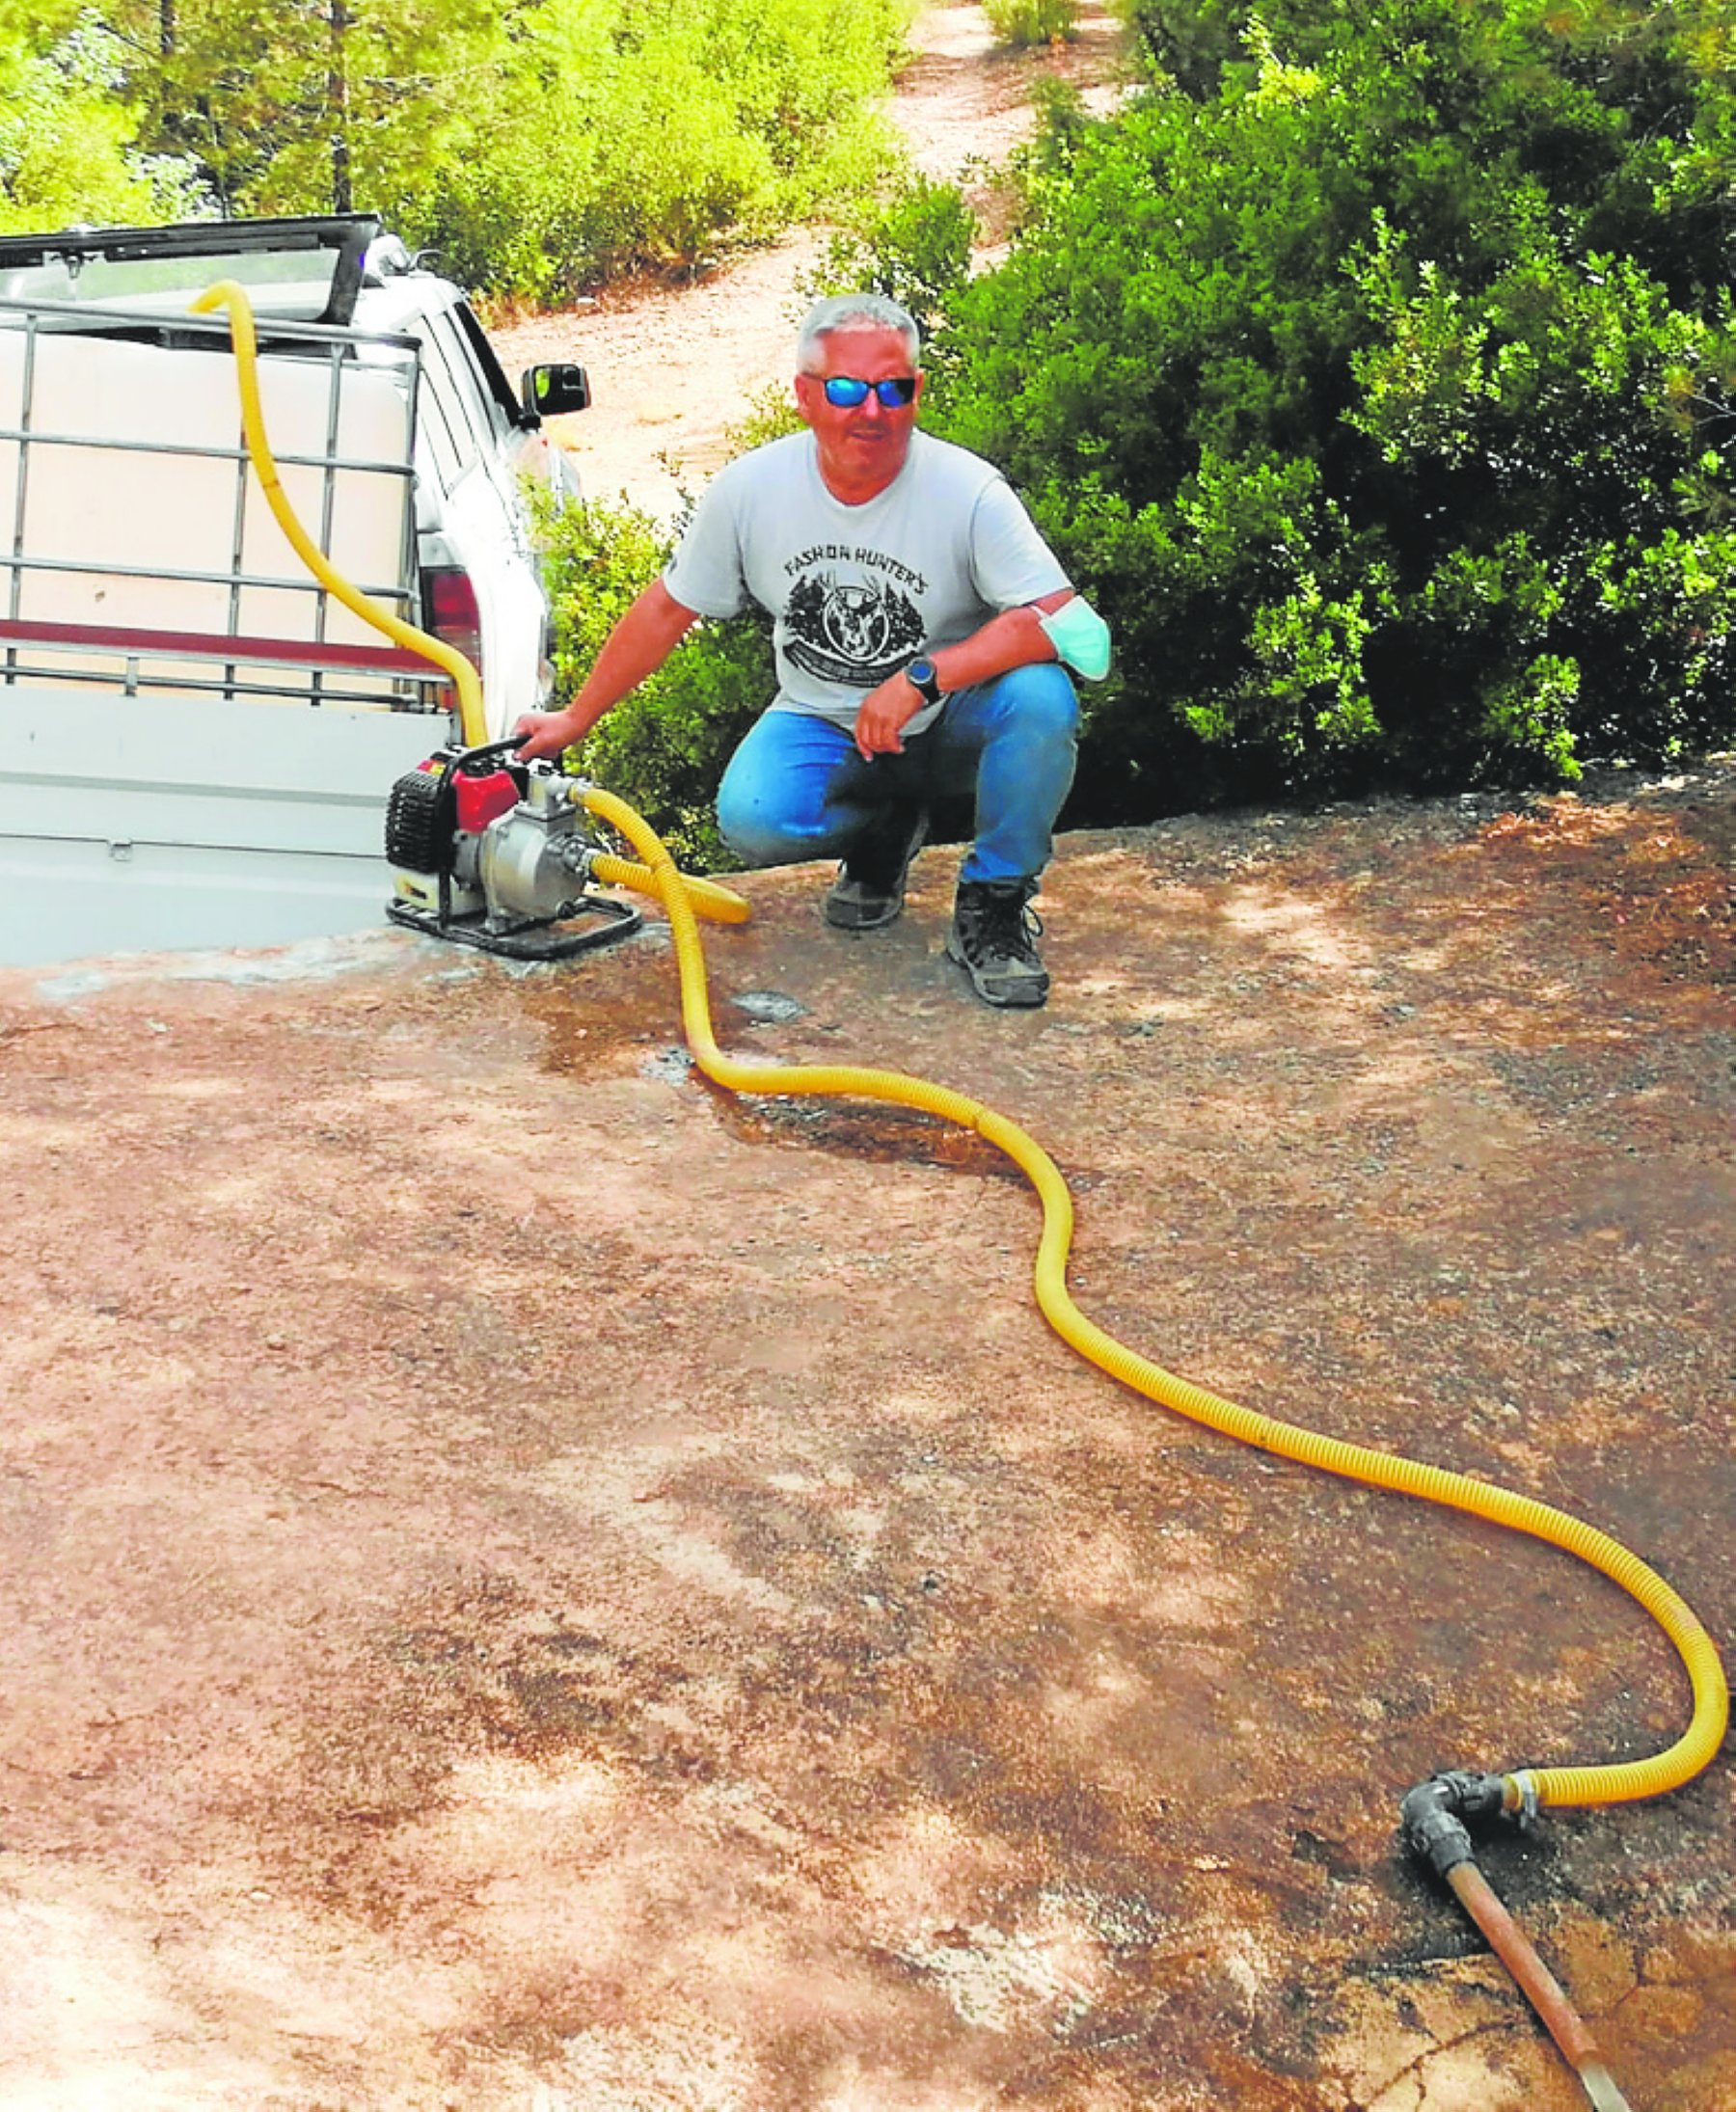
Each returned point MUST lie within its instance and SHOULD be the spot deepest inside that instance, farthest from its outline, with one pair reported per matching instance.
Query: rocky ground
(532, 1583)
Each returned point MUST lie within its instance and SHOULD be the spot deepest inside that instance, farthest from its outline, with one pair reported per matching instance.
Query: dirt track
(531, 1584)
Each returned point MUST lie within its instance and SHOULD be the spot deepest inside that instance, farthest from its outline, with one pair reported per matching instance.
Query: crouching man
(922, 632)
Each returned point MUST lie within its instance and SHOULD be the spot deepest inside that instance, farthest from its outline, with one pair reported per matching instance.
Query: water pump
(495, 853)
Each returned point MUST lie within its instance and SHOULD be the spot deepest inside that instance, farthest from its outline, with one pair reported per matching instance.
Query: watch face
(921, 675)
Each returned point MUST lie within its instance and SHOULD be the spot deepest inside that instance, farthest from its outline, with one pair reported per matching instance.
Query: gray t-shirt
(859, 592)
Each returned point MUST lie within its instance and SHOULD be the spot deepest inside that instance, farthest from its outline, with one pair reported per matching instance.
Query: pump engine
(496, 853)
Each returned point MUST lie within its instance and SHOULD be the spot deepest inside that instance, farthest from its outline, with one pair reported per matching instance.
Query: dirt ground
(530, 1583)
(533, 1586)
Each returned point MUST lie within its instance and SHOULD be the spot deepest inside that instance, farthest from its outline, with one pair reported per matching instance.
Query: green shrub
(1020, 23)
(916, 251)
(665, 748)
(536, 146)
(626, 133)
(630, 132)
(1383, 402)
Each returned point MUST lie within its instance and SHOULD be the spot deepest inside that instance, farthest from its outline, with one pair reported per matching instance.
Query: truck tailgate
(191, 821)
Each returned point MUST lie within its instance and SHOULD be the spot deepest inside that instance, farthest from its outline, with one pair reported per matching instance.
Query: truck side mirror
(551, 391)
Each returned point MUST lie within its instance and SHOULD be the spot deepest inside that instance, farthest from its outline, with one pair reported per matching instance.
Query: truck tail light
(450, 610)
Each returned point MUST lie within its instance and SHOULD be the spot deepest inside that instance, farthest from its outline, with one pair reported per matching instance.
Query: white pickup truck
(197, 741)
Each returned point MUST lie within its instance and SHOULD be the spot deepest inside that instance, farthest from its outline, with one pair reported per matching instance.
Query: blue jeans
(796, 788)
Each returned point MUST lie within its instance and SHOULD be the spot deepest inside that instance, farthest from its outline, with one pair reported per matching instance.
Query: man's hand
(883, 715)
(544, 735)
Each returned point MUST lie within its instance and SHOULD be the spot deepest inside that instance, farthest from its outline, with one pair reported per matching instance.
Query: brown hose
(1513, 1947)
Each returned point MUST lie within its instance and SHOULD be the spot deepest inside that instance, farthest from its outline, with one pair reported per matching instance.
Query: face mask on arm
(1080, 638)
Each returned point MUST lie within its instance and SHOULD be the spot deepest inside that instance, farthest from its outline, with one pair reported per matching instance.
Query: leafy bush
(915, 251)
(639, 131)
(665, 748)
(536, 146)
(67, 143)
(1383, 403)
(1032, 21)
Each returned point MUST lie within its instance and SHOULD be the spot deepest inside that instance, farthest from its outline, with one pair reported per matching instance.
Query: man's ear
(803, 387)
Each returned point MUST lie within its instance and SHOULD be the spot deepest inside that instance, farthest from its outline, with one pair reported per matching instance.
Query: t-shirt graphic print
(853, 631)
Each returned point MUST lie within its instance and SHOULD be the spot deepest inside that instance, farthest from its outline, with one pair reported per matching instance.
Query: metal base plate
(527, 941)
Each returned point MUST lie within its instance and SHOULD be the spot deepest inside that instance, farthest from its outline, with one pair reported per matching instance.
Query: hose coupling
(578, 856)
(1433, 1816)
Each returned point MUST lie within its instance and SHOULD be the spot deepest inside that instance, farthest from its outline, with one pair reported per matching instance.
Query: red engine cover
(480, 800)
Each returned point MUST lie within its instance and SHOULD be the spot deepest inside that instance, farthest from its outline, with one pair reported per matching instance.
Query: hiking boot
(994, 940)
(870, 888)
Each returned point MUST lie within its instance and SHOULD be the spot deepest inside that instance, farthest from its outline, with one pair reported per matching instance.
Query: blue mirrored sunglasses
(844, 391)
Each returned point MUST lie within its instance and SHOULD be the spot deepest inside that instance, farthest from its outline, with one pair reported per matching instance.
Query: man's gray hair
(851, 310)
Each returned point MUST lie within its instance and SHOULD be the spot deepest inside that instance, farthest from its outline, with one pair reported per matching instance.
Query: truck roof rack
(348, 235)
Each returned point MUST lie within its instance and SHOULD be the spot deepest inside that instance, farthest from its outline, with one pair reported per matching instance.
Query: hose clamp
(1522, 1798)
(578, 856)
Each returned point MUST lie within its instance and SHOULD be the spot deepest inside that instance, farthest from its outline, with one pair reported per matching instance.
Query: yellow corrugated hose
(1555, 1786)
(225, 293)
(681, 898)
(658, 875)
(720, 904)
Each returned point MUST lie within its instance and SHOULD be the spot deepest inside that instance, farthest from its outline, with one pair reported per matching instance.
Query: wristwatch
(925, 679)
